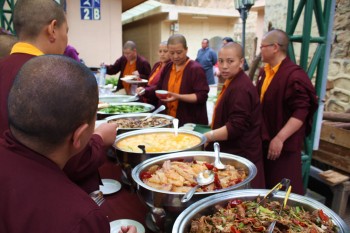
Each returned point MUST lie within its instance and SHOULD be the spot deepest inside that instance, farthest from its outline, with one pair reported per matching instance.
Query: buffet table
(123, 204)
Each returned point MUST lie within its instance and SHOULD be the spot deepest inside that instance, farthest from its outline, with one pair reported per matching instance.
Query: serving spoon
(176, 125)
(136, 95)
(161, 108)
(217, 162)
(201, 181)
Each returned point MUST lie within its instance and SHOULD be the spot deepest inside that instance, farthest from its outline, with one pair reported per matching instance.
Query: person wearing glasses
(288, 101)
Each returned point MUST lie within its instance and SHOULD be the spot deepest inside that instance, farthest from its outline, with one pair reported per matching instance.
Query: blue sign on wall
(90, 9)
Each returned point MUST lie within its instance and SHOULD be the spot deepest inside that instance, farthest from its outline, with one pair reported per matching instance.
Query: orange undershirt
(129, 68)
(224, 87)
(270, 73)
(154, 74)
(174, 84)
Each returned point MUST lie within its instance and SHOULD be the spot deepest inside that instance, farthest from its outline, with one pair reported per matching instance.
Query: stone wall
(338, 96)
(338, 91)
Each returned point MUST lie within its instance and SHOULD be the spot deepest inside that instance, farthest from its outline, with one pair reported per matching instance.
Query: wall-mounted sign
(90, 9)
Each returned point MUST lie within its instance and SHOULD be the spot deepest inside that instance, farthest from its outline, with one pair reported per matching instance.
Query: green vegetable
(112, 80)
(265, 210)
(117, 109)
(241, 225)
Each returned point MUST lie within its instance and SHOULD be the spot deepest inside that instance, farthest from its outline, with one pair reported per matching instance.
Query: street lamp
(243, 7)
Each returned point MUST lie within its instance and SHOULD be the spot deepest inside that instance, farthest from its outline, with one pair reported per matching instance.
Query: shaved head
(31, 16)
(129, 45)
(237, 48)
(279, 37)
(177, 39)
(50, 98)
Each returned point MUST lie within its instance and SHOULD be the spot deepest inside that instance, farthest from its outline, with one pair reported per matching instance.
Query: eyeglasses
(263, 46)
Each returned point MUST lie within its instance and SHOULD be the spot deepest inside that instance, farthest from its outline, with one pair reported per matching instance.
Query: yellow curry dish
(158, 142)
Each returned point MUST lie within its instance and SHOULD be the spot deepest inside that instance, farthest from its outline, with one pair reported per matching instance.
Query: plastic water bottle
(103, 71)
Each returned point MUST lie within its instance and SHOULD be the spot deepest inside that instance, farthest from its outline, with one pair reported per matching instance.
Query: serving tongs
(284, 183)
(273, 224)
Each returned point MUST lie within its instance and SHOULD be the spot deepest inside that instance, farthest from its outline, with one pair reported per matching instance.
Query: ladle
(202, 180)
(176, 125)
(217, 162)
(161, 108)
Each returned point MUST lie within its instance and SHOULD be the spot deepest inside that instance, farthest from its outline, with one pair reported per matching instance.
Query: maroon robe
(9, 66)
(142, 66)
(290, 94)
(82, 168)
(37, 197)
(193, 81)
(239, 109)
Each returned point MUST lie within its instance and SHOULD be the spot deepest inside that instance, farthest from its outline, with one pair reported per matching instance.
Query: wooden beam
(335, 116)
(343, 125)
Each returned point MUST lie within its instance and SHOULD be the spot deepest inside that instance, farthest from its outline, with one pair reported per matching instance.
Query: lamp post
(243, 7)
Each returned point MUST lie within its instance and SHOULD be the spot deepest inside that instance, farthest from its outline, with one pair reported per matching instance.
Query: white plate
(117, 224)
(110, 186)
(130, 80)
(129, 76)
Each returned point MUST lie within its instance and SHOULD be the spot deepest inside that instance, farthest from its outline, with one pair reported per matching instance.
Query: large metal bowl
(118, 98)
(133, 158)
(149, 107)
(139, 116)
(166, 205)
(206, 206)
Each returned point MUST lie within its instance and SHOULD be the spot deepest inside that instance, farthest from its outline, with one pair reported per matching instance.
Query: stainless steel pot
(133, 158)
(118, 98)
(149, 107)
(206, 206)
(139, 116)
(166, 204)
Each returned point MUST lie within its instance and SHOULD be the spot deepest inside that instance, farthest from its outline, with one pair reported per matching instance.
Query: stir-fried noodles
(250, 216)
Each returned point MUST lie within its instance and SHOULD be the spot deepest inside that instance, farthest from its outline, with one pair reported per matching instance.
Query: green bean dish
(119, 109)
